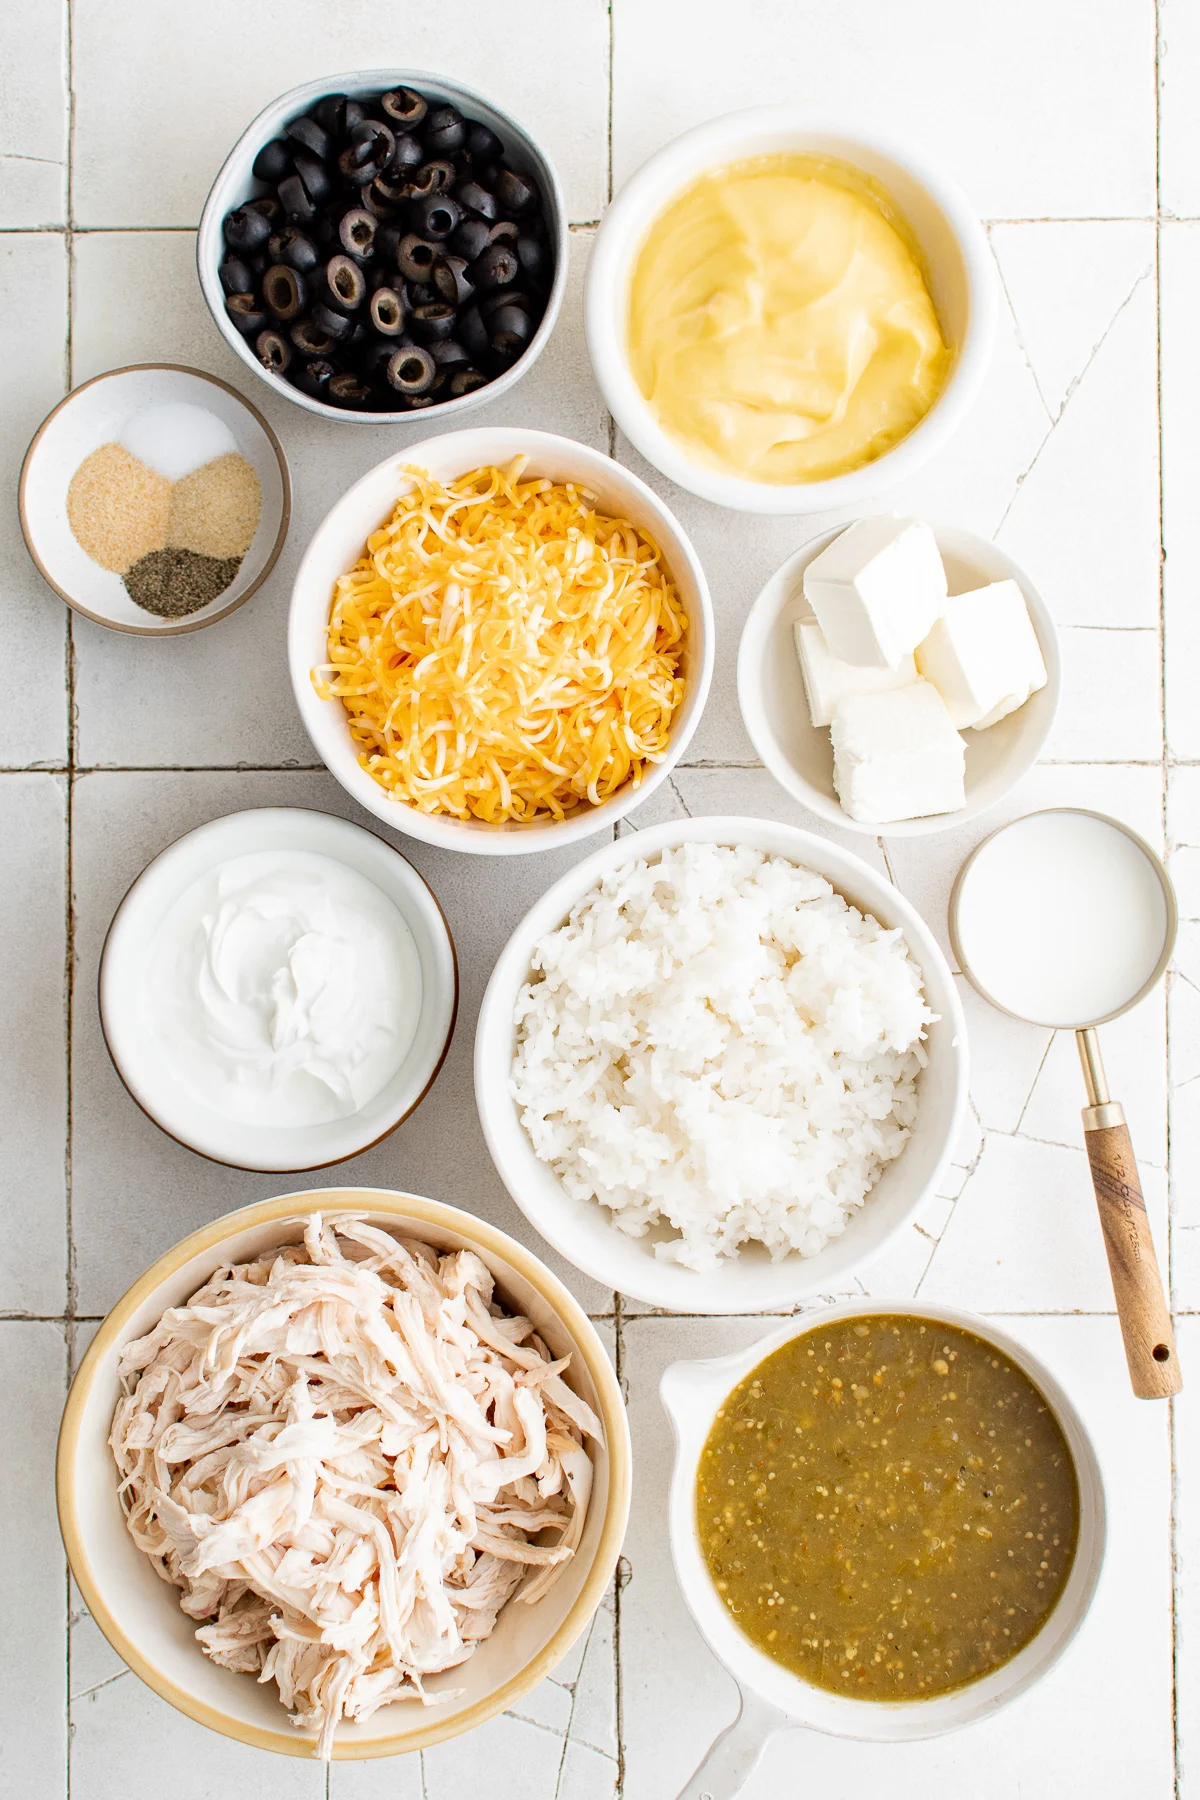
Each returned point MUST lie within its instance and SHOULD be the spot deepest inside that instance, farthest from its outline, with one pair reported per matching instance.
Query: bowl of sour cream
(786, 315)
(278, 989)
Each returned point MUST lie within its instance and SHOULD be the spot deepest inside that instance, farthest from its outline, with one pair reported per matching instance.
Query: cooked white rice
(717, 1042)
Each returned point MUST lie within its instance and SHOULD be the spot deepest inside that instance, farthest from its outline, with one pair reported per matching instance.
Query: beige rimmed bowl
(140, 1615)
(91, 415)
(773, 1698)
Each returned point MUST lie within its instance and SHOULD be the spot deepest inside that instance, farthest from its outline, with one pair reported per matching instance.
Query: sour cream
(779, 321)
(284, 989)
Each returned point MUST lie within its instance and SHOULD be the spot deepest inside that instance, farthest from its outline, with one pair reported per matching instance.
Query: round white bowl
(773, 1696)
(92, 414)
(123, 995)
(958, 267)
(799, 754)
(583, 1231)
(337, 546)
(140, 1615)
(236, 183)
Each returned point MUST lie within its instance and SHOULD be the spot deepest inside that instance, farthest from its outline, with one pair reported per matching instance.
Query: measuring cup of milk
(1066, 918)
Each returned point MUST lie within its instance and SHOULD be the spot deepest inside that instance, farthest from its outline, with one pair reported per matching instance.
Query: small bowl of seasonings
(384, 244)
(155, 499)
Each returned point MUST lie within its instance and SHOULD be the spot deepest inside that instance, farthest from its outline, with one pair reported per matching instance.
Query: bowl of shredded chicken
(373, 1460)
(500, 641)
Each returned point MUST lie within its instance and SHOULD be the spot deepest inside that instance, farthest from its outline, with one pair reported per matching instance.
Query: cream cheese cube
(877, 590)
(983, 656)
(827, 682)
(897, 756)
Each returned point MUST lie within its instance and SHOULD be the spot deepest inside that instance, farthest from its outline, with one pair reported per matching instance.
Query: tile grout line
(1172, 1418)
(69, 1330)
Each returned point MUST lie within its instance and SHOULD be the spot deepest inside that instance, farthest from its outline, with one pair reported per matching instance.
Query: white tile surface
(33, 115)
(1045, 113)
(1034, 116)
(33, 965)
(148, 144)
(33, 720)
(33, 1573)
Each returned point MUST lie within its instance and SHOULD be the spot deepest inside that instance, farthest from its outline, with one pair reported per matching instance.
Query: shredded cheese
(505, 652)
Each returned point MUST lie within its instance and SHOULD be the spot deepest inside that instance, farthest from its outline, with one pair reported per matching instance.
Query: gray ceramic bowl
(236, 183)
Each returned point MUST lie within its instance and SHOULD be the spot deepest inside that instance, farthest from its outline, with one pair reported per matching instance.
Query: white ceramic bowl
(236, 183)
(92, 414)
(799, 754)
(124, 995)
(958, 266)
(336, 547)
(774, 1697)
(582, 1231)
(140, 1615)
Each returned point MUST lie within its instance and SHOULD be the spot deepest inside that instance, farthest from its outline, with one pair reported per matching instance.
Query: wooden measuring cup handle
(1141, 1305)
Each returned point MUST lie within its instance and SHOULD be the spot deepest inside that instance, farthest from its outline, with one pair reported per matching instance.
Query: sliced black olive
(515, 194)
(235, 276)
(344, 286)
(419, 403)
(470, 239)
(375, 201)
(450, 280)
(273, 351)
(411, 371)
(505, 296)
(511, 328)
(478, 199)
(323, 230)
(415, 257)
(273, 162)
(359, 170)
(355, 113)
(297, 250)
(372, 140)
(357, 233)
(377, 356)
(284, 292)
(436, 216)
(533, 256)
(330, 114)
(496, 268)
(434, 178)
(331, 324)
(315, 176)
(294, 197)
(309, 339)
(504, 231)
(483, 145)
(406, 155)
(269, 207)
(472, 331)
(247, 312)
(466, 381)
(429, 323)
(314, 377)
(448, 353)
(421, 293)
(246, 229)
(388, 312)
(388, 188)
(311, 137)
(405, 107)
(444, 131)
(348, 390)
(387, 242)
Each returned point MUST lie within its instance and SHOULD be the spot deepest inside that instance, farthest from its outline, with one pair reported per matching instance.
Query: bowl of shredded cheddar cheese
(500, 640)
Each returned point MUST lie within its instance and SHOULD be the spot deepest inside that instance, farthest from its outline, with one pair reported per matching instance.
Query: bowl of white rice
(720, 1064)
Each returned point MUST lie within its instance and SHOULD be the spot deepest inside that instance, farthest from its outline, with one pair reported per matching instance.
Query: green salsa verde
(888, 1507)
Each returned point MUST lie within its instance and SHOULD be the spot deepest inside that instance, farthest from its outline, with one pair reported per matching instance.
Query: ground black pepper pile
(174, 583)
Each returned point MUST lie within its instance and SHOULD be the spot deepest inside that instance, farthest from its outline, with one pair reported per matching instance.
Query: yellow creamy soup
(779, 321)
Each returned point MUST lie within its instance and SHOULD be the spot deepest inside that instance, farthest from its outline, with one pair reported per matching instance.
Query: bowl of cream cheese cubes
(900, 677)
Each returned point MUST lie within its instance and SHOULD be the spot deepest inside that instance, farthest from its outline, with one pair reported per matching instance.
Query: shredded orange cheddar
(504, 651)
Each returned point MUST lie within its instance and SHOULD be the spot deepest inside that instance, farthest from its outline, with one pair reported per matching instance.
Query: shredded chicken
(347, 1456)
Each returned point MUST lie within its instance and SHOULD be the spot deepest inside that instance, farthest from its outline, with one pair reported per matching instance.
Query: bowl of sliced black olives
(385, 243)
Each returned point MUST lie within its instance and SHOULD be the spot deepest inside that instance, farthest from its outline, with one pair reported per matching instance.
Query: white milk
(1061, 918)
